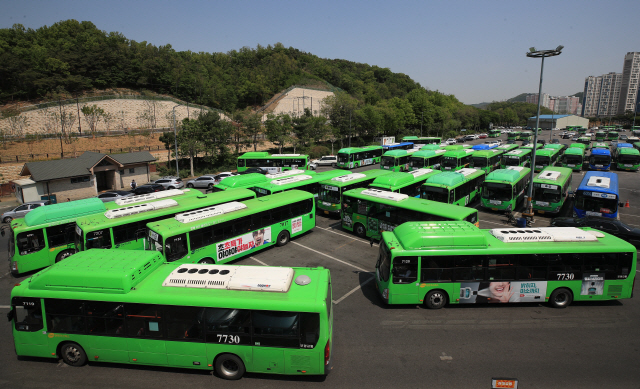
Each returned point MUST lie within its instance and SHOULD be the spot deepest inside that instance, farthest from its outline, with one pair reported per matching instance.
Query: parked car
(170, 182)
(525, 142)
(512, 142)
(482, 136)
(555, 141)
(470, 137)
(325, 160)
(623, 137)
(209, 180)
(542, 142)
(22, 210)
(113, 195)
(566, 136)
(451, 141)
(605, 224)
(254, 170)
(147, 188)
(633, 139)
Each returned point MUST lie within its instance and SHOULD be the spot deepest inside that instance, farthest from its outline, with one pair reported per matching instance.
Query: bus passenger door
(29, 340)
(145, 334)
(404, 277)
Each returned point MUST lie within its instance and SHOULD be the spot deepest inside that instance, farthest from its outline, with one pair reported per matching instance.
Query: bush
(318, 151)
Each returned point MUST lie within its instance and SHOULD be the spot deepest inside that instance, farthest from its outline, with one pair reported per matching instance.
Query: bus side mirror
(2, 232)
(140, 234)
(10, 315)
(621, 204)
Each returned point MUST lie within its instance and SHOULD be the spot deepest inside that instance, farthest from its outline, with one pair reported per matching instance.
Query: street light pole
(533, 53)
(175, 139)
(421, 120)
(552, 112)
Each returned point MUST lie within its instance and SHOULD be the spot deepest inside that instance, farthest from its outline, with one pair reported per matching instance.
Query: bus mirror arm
(371, 241)
(140, 234)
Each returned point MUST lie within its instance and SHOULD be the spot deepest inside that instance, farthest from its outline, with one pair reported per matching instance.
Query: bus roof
(295, 181)
(574, 151)
(402, 179)
(459, 235)
(430, 147)
(622, 145)
(64, 211)
(141, 276)
(166, 207)
(597, 181)
(347, 150)
(395, 153)
(458, 153)
(547, 152)
(600, 151)
(578, 145)
(624, 151)
(428, 153)
(264, 154)
(556, 146)
(519, 152)
(251, 179)
(553, 175)
(487, 153)
(350, 178)
(450, 179)
(507, 147)
(509, 175)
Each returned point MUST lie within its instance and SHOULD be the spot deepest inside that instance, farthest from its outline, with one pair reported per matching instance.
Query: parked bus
(46, 234)
(125, 228)
(550, 189)
(546, 157)
(520, 157)
(456, 147)
(430, 147)
(397, 146)
(423, 140)
(600, 159)
(579, 145)
(505, 187)
(558, 146)
(456, 263)
(136, 310)
(514, 135)
(628, 159)
(530, 146)
(329, 198)
(354, 157)
(395, 161)
(507, 147)
(573, 158)
(456, 160)
(585, 140)
(494, 134)
(426, 159)
(599, 145)
(612, 135)
(581, 130)
(369, 212)
(406, 183)
(251, 179)
(526, 135)
(229, 231)
(274, 163)
(486, 160)
(597, 195)
(457, 188)
(305, 182)
(601, 136)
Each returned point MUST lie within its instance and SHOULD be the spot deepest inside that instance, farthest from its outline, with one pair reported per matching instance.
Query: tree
(216, 135)
(339, 110)
(278, 129)
(190, 139)
(168, 139)
(92, 115)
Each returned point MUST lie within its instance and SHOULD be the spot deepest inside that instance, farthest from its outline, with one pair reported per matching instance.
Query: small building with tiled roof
(82, 177)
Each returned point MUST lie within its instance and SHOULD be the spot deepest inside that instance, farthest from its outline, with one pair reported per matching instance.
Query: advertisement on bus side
(243, 243)
(502, 292)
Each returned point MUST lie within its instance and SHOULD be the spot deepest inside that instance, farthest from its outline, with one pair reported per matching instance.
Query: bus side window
(175, 247)
(452, 197)
(437, 268)
(405, 270)
(30, 241)
(27, 314)
(184, 323)
(240, 162)
(104, 318)
(276, 329)
(468, 268)
(60, 235)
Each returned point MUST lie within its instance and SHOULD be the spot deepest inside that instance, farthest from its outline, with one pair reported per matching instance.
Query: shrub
(318, 151)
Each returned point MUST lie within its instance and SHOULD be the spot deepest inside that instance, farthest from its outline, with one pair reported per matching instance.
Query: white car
(325, 160)
(451, 141)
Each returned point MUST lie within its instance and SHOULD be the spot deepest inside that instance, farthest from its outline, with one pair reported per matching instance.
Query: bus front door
(26, 313)
(404, 276)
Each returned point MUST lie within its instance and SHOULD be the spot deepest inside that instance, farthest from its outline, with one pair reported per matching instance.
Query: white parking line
(259, 261)
(336, 302)
(329, 256)
(346, 236)
(5, 306)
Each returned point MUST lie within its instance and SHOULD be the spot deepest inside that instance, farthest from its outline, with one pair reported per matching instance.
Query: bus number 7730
(565, 276)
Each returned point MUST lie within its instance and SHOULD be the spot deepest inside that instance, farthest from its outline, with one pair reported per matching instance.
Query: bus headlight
(385, 294)
(14, 266)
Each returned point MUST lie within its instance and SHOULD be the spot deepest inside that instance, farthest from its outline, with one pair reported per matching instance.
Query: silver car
(170, 182)
(209, 181)
(21, 210)
(113, 195)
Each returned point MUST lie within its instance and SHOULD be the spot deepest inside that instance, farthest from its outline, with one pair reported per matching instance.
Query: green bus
(455, 262)
(581, 130)
(329, 199)
(573, 158)
(456, 188)
(526, 135)
(274, 163)
(579, 145)
(395, 160)
(251, 179)
(229, 231)
(612, 135)
(369, 212)
(636, 145)
(456, 159)
(46, 234)
(125, 228)
(457, 147)
(585, 140)
(305, 182)
(487, 160)
(514, 135)
(137, 310)
(546, 157)
(558, 146)
(426, 159)
(599, 145)
(430, 147)
(406, 183)
(354, 157)
(494, 133)
(520, 157)
(504, 188)
(550, 189)
(601, 136)
(530, 146)
(627, 159)
(507, 147)
(420, 140)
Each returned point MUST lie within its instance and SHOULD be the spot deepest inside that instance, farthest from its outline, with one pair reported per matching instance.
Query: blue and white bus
(397, 146)
(600, 159)
(597, 195)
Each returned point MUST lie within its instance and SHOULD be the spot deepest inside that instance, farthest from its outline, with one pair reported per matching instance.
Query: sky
(474, 50)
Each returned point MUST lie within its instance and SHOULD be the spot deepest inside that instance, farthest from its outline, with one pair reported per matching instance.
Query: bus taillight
(327, 352)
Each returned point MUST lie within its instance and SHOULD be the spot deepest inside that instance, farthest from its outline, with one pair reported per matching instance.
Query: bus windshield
(512, 161)
(450, 162)
(546, 193)
(480, 162)
(155, 242)
(12, 248)
(575, 159)
(384, 263)
(543, 160)
(600, 159)
(497, 191)
(387, 161)
(587, 202)
(343, 158)
(78, 240)
(416, 162)
(629, 159)
(435, 194)
(329, 193)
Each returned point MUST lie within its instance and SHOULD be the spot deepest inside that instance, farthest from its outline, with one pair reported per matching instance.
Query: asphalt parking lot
(585, 345)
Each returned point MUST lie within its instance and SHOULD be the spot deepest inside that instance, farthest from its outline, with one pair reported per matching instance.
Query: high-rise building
(591, 96)
(601, 95)
(565, 105)
(630, 82)
(532, 98)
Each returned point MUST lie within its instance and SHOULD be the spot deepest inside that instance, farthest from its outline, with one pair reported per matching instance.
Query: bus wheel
(560, 298)
(435, 299)
(283, 238)
(73, 354)
(207, 261)
(229, 367)
(360, 230)
(64, 254)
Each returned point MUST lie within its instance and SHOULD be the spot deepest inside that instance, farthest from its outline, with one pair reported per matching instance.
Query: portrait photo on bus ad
(502, 292)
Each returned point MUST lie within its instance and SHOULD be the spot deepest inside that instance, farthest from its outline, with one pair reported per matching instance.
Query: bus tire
(561, 298)
(207, 261)
(435, 299)
(72, 354)
(189, 185)
(283, 238)
(64, 254)
(360, 231)
(229, 367)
